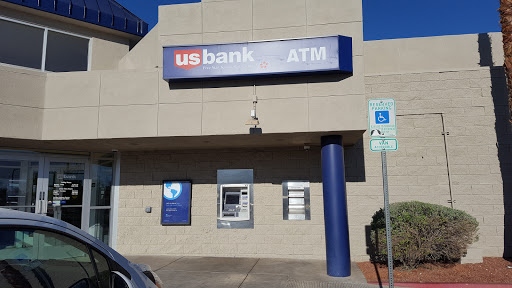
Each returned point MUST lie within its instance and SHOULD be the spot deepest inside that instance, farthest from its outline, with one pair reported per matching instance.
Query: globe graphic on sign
(172, 190)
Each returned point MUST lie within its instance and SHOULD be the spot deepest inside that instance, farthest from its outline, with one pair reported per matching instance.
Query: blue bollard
(335, 207)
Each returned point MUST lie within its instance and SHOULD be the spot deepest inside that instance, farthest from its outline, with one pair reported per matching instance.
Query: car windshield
(43, 259)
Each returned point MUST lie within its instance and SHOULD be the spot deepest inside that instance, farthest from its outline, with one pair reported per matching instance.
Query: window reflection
(18, 184)
(101, 182)
(66, 52)
(26, 43)
(38, 258)
(23, 45)
(99, 224)
(102, 173)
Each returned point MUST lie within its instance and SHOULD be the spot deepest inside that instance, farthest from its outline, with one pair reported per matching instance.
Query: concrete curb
(446, 285)
(322, 284)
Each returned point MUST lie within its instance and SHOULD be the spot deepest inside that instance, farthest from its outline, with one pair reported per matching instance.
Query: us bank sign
(305, 55)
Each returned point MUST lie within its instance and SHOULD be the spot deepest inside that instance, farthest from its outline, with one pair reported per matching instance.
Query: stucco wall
(464, 96)
(23, 91)
(433, 54)
(136, 102)
(21, 102)
(453, 81)
(285, 104)
(471, 105)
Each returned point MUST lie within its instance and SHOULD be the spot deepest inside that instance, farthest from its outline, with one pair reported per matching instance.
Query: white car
(42, 252)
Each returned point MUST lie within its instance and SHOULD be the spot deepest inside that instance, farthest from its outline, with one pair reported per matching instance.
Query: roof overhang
(105, 13)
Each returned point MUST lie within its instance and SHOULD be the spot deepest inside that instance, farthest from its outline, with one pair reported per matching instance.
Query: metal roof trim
(105, 13)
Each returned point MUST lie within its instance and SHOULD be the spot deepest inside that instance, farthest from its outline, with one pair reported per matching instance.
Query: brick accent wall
(473, 108)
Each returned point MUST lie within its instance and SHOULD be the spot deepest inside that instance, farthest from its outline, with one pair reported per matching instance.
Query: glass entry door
(74, 189)
(67, 190)
(18, 183)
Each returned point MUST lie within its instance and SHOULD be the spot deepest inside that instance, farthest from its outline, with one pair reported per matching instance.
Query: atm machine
(235, 202)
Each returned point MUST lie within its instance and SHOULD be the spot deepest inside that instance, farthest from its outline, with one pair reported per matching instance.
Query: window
(42, 48)
(18, 184)
(66, 53)
(42, 259)
(24, 45)
(103, 269)
(102, 171)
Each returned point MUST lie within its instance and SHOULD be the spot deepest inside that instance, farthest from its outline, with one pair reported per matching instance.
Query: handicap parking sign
(382, 117)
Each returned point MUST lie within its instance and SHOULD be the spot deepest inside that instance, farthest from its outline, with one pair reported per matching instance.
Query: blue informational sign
(176, 196)
(382, 117)
(305, 55)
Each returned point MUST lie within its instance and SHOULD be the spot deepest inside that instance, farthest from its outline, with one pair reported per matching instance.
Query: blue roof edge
(105, 13)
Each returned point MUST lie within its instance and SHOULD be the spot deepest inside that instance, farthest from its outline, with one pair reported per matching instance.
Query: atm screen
(232, 199)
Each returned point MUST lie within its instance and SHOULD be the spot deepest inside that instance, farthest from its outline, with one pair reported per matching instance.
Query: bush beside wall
(423, 233)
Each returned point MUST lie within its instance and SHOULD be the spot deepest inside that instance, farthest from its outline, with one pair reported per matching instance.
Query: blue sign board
(382, 117)
(305, 55)
(176, 196)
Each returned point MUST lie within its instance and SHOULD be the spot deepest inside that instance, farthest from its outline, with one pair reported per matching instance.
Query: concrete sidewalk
(212, 272)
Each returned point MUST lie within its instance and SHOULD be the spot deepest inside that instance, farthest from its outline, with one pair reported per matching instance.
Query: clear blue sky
(387, 19)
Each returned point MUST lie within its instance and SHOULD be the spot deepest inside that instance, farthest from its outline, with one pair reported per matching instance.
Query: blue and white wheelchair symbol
(172, 190)
(381, 117)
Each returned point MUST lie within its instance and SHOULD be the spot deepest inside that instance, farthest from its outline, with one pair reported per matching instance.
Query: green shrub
(423, 233)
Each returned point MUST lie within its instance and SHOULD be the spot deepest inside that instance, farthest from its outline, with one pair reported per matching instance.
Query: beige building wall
(41, 105)
(441, 84)
(21, 102)
(285, 104)
(137, 102)
(417, 171)
(433, 54)
(469, 169)
(470, 106)
(453, 85)
(142, 174)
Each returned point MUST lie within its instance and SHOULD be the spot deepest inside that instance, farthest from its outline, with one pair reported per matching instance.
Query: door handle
(44, 205)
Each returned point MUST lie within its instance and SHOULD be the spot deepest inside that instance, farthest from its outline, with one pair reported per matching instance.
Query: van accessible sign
(305, 55)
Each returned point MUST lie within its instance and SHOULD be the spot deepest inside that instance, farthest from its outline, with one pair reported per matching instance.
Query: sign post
(382, 123)
(388, 221)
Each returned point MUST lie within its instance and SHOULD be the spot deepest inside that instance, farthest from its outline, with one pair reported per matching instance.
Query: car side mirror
(119, 280)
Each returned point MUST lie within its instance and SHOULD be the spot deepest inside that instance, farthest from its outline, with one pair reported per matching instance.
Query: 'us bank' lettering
(188, 59)
(307, 54)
